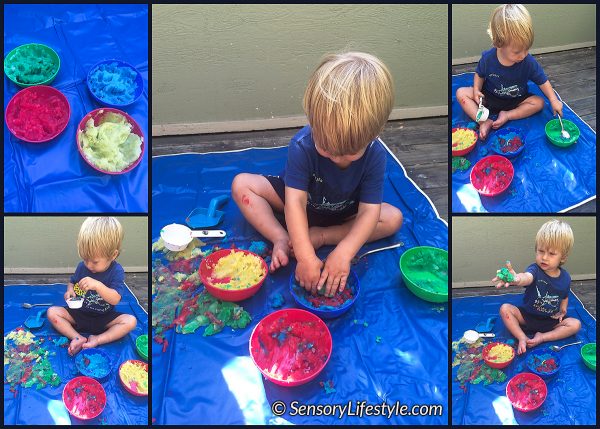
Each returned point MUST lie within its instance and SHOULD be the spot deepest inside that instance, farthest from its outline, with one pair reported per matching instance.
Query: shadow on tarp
(571, 393)
(212, 379)
(33, 407)
(52, 176)
(547, 178)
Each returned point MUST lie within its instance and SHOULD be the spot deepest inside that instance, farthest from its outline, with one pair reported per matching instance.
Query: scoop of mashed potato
(111, 145)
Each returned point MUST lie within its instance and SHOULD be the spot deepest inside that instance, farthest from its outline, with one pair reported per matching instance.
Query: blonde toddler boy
(332, 188)
(101, 281)
(503, 71)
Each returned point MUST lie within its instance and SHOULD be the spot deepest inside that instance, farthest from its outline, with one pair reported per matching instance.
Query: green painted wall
(481, 245)
(238, 62)
(553, 25)
(51, 242)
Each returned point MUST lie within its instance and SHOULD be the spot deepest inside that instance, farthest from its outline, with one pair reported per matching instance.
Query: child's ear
(115, 254)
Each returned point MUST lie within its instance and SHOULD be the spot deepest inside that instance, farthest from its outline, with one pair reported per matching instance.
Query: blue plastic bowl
(138, 80)
(507, 133)
(88, 372)
(534, 359)
(298, 292)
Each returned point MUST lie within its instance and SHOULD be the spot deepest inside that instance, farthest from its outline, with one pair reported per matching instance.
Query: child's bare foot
(91, 342)
(501, 120)
(76, 345)
(538, 338)
(522, 347)
(484, 129)
(279, 258)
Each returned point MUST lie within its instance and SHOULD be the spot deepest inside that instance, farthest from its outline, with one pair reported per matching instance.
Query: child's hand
(335, 272)
(88, 283)
(70, 293)
(308, 273)
(560, 315)
(504, 283)
(477, 95)
(557, 107)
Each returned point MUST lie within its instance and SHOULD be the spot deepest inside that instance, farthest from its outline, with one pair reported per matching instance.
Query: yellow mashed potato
(462, 138)
(244, 271)
(500, 353)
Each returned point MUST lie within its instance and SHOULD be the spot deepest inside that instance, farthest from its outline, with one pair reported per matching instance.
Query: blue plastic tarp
(52, 176)
(547, 178)
(45, 406)
(571, 396)
(213, 380)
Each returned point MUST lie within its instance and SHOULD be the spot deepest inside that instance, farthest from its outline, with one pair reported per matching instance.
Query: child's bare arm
(562, 311)
(521, 279)
(556, 104)
(309, 265)
(108, 294)
(337, 265)
(477, 85)
(70, 293)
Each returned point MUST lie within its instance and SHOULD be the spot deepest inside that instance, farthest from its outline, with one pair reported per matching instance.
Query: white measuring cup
(483, 112)
(471, 336)
(177, 236)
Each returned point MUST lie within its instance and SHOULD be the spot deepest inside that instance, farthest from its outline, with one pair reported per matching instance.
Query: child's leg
(257, 199)
(566, 328)
(117, 329)
(529, 106)
(63, 322)
(513, 319)
(470, 106)
(390, 221)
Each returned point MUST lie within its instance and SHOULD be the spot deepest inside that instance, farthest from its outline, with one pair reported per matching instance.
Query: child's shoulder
(302, 136)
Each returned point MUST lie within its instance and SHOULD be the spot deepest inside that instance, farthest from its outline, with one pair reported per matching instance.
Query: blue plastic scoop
(35, 322)
(206, 217)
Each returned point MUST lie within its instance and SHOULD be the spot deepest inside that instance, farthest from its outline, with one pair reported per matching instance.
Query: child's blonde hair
(348, 100)
(556, 235)
(511, 24)
(99, 237)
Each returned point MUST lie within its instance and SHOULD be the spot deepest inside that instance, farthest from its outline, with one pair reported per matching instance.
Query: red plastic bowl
(262, 341)
(465, 151)
(492, 175)
(97, 115)
(499, 365)
(76, 396)
(206, 268)
(44, 95)
(518, 388)
(129, 388)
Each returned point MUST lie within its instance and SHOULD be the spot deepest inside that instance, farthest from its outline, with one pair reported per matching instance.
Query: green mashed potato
(110, 146)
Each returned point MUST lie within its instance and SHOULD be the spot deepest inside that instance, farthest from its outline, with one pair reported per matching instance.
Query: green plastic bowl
(553, 131)
(141, 345)
(31, 50)
(588, 353)
(425, 272)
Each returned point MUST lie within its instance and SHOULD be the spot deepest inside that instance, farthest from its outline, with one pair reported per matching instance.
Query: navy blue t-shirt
(113, 277)
(332, 190)
(543, 296)
(508, 82)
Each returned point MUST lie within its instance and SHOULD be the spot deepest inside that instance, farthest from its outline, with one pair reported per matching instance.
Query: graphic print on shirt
(317, 200)
(548, 303)
(94, 302)
(511, 91)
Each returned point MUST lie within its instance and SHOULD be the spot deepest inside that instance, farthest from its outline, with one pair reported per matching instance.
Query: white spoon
(565, 135)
